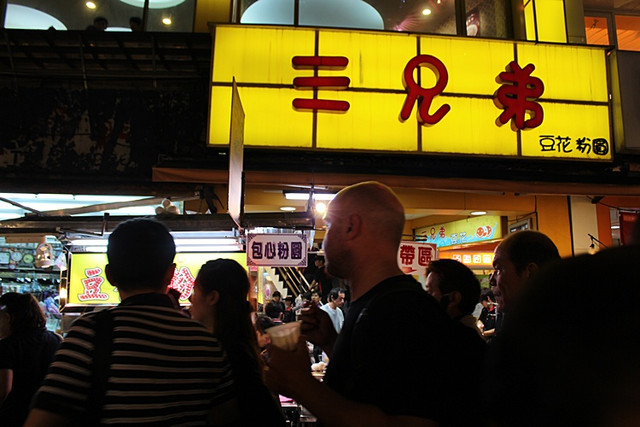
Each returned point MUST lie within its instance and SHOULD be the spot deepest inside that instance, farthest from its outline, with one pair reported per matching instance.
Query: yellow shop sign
(335, 89)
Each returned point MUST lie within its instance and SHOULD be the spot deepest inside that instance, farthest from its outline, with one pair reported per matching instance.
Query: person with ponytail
(219, 301)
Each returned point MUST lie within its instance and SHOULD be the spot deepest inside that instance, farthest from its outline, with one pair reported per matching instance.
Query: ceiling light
(615, 227)
(166, 21)
(302, 195)
(90, 5)
(320, 207)
(287, 208)
(426, 11)
(154, 4)
(478, 213)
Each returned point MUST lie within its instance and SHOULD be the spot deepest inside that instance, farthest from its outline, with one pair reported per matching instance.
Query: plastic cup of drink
(285, 336)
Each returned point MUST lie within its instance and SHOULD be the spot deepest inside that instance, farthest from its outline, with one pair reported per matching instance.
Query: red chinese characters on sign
(414, 257)
(91, 285)
(316, 63)
(183, 281)
(517, 95)
(424, 96)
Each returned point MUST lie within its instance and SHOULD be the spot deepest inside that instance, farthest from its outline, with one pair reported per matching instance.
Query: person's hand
(318, 328)
(287, 371)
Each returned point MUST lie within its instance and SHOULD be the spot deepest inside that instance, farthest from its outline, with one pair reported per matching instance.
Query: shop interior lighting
(478, 213)
(183, 243)
(303, 195)
(154, 4)
(90, 5)
(287, 208)
(615, 227)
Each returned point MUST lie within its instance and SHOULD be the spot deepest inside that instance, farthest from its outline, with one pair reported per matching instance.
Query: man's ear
(354, 225)
(531, 269)
(109, 274)
(212, 298)
(168, 275)
(454, 298)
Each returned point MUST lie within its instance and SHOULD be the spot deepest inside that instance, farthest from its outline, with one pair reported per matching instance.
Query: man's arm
(289, 374)
(42, 418)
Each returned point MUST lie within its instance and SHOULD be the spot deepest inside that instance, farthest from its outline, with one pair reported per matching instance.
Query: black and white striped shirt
(166, 369)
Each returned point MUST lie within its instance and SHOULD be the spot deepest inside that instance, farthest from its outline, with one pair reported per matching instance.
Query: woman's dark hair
(25, 312)
(233, 324)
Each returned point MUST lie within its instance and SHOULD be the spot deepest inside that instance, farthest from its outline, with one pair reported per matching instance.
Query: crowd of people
(398, 356)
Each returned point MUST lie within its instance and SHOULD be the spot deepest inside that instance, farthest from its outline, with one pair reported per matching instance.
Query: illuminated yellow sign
(356, 90)
(471, 230)
(88, 283)
(471, 259)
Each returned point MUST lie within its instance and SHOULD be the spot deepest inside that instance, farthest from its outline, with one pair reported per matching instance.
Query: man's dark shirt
(395, 352)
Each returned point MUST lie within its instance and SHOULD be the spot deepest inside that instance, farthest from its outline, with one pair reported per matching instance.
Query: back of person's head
(528, 246)
(263, 323)
(487, 296)
(135, 22)
(24, 310)
(140, 251)
(334, 293)
(100, 21)
(233, 312)
(556, 362)
(276, 294)
(289, 299)
(455, 276)
(319, 258)
(379, 206)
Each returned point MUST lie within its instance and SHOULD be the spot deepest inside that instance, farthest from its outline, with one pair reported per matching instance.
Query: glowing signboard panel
(88, 283)
(471, 230)
(414, 257)
(376, 91)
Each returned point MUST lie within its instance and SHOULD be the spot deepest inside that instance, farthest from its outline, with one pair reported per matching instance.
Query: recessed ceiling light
(478, 213)
(166, 21)
(426, 11)
(90, 5)
(287, 208)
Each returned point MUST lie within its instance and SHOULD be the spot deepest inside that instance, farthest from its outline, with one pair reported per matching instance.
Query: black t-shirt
(324, 283)
(395, 352)
(28, 355)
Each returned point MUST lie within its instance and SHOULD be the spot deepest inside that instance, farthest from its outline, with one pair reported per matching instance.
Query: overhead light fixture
(304, 195)
(166, 21)
(478, 213)
(321, 207)
(287, 208)
(183, 244)
(615, 227)
(154, 4)
(90, 5)
(426, 12)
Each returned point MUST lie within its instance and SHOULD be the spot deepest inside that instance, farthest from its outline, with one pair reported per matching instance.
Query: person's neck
(128, 294)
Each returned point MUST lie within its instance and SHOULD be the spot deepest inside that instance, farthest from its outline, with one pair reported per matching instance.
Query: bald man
(392, 363)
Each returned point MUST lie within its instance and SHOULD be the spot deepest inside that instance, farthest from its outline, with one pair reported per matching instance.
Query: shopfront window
(616, 23)
(162, 15)
(597, 30)
(483, 18)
